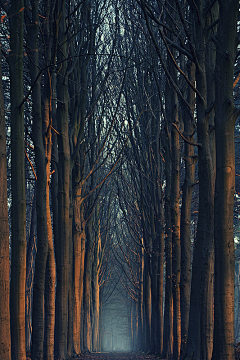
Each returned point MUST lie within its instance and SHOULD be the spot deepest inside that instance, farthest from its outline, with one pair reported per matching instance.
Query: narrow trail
(119, 356)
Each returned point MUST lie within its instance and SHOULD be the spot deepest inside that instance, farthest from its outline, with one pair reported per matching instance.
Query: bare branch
(186, 140)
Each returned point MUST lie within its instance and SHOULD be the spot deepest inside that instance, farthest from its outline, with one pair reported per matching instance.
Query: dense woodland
(119, 188)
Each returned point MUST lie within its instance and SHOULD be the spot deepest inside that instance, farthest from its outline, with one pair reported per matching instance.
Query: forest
(119, 178)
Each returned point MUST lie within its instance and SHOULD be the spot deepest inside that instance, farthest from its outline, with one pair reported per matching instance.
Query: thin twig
(31, 165)
(186, 140)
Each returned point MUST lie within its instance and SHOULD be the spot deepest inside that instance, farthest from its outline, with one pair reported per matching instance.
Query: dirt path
(119, 356)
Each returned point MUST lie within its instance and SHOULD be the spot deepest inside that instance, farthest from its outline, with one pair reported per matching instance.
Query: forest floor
(133, 356)
(113, 356)
(119, 356)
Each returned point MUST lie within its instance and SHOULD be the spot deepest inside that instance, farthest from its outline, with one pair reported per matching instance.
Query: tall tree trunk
(49, 107)
(168, 304)
(147, 302)
(50, 276)
(185, 225)
(158, 240)
(147, 242)
(32, 22)
(175, 215)
(200, 327)
(226, 115)
(54, 198)
(18, 265)
(159, 223)
(140, 300)
(62, 243)
(54, 182)
(154, 295)
(95, 330)
(77, 168)
(82, 267)
(31, 247)
(54, 169)
(71, 287)
(78, 264)
(49, 296)
(95, 287)
(200, 331)
(207, 321)
(160, 279)
(135, 325)
(5, 344)
(79, 236)
(87, 289)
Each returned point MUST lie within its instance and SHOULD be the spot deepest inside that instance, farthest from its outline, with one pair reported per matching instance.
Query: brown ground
(113, 356)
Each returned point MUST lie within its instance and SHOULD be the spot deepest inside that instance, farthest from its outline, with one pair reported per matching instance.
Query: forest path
(119, 356)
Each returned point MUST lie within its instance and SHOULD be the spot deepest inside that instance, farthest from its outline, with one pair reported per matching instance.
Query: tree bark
(87, 289)
(18, 264)
(200, 330)
(95, 287)
(185, 225)
(71, 287)
(62, 243)
(78, 239)
(175, 215)
(147, 302)
(49, 107)
(50, 276)
(5, 344)
(158, 239)
(140, 299)
(168, 304)
(31, 248)
(226, 115)
(42, 233)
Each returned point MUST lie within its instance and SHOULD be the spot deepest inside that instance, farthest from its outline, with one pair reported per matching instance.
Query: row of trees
(196, 53)
(57, 83)
(122, 120)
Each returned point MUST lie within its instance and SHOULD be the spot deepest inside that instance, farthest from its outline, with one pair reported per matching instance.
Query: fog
(116, 327)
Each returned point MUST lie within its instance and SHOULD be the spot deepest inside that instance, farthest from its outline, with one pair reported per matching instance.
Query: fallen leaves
(119, 356)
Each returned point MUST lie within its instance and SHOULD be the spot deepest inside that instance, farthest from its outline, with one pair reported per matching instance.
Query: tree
(5, 346)
(226, 115)
(32, 24)
(49, 135)
(18, 243)
(110, 92)
(62, 242)
(185, 225)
